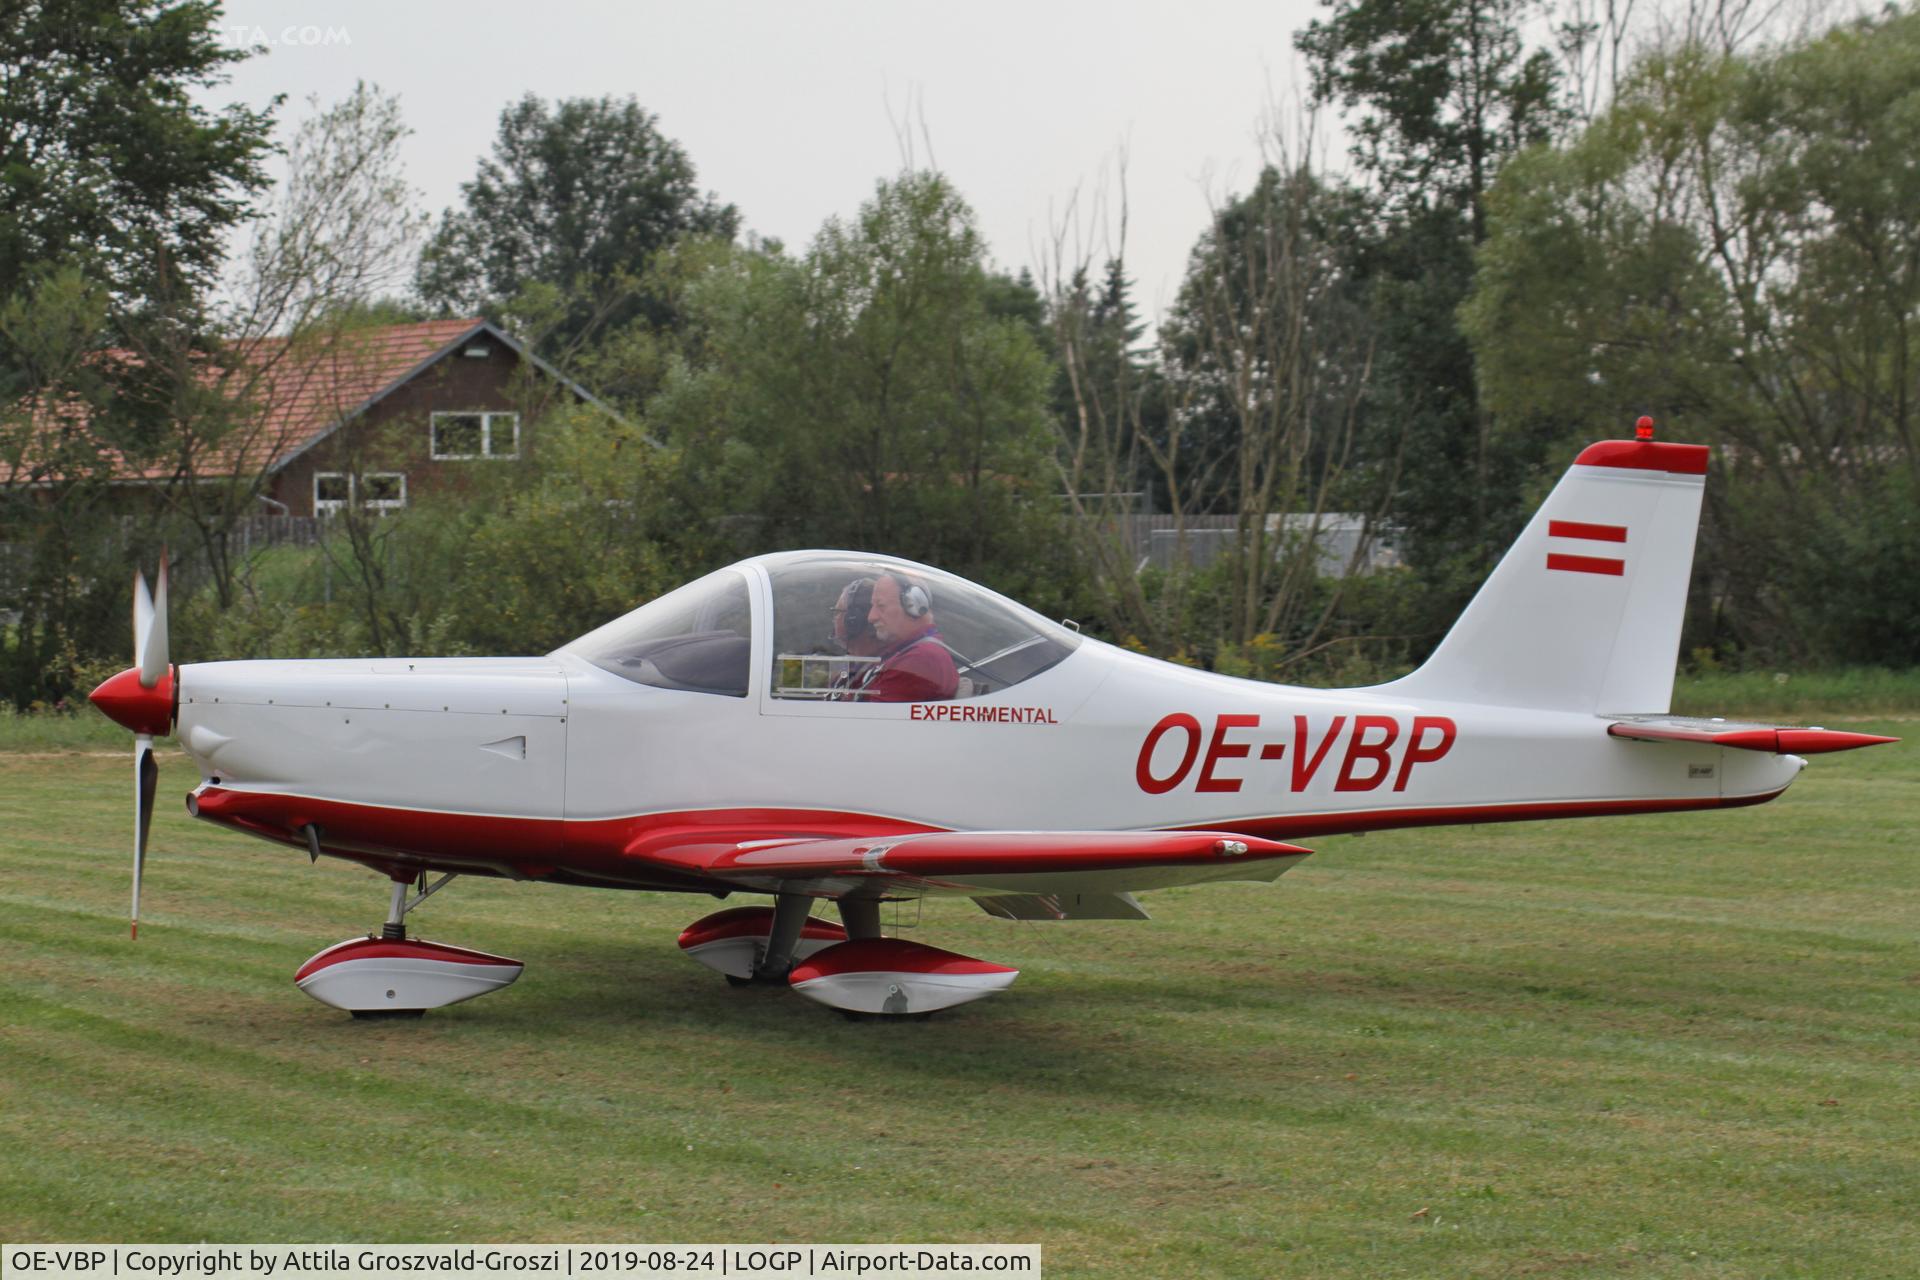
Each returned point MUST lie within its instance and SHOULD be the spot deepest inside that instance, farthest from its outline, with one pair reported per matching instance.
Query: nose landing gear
(394, 976)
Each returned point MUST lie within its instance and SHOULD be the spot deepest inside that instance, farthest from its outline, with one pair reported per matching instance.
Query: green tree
(105, 157)
(333, 237)
(557, 229)
(1438, 94)
(1266, 357)
(117, 193)
(866, 395)
(1106, 393)
(1735, 247)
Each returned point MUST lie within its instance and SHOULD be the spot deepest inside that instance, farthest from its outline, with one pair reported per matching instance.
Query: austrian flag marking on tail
(1582, 531)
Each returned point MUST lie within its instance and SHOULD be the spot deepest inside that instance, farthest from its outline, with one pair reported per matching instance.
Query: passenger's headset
(859, 604)
(914, 600)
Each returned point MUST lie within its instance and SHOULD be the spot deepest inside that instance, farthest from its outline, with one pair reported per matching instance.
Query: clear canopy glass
(695, 638)
(865, 629)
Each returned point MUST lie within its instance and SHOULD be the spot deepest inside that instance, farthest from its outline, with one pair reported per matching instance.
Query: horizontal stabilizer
(1776, 738)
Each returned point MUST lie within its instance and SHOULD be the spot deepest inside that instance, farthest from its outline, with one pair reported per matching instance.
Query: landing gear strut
(395, 929)
(790, 914)
(743, 943)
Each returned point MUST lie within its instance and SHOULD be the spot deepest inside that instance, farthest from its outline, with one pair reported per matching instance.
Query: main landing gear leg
(861, 916)
(393, 976)
(790, 912)
(738, 941)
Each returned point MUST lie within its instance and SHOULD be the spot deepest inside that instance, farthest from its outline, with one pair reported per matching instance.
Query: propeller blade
(142, 619)
(150, 648)
(146, 783)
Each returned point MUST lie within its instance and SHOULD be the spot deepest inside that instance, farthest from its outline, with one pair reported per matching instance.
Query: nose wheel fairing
(401, 975)
(392, 975)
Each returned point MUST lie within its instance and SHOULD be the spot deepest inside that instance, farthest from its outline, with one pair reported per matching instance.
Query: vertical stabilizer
(1584, 612)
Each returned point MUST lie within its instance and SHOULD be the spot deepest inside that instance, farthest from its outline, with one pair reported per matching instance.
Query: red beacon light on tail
(1643, 429)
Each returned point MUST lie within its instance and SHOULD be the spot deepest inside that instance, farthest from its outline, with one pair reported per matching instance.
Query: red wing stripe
(1592, 532)
(1587, 564)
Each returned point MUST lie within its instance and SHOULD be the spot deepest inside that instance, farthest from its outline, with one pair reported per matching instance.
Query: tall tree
(1267, 357)
(1106, 389)
(1438, 94)
(868, 395)
(336, 235)
(1735, 246)
(117, 192)
(105, 156)
(561, 222)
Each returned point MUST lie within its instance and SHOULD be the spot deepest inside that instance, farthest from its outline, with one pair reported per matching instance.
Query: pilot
(915, 666)
(853, 635)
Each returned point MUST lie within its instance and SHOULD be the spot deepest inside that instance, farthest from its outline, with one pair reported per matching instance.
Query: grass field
(1676, 1046)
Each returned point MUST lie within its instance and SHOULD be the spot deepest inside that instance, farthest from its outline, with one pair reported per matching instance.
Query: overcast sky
(792, 111)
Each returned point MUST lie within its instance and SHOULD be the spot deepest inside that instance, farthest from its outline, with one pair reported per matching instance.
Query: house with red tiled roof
(368, 417)
(384, 413)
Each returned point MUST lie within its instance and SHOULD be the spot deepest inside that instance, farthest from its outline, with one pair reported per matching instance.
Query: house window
(330, 491)
(383, 490)
(378, 491)
(476, 435)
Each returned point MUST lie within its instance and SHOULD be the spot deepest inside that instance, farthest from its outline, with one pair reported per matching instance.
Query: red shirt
(921, 670)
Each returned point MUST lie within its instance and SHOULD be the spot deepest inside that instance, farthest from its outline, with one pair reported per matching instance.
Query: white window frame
(489, 419)
(385, 504)
(329, 506)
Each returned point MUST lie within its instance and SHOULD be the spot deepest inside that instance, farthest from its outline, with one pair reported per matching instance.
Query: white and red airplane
(957, 744)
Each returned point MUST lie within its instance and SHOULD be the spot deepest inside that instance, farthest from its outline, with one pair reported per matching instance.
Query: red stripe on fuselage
(632, 851)
(640, 850)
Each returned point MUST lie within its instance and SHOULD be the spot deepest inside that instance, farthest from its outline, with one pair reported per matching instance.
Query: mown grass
(1804, 695)
(77, 730)
(1653, 1046)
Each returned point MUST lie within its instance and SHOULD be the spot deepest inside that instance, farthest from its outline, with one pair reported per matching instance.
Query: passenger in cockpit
(915, 665)
(853, 634)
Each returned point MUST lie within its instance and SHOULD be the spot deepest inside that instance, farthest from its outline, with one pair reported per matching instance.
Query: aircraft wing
(991, 863)
(1777, 738)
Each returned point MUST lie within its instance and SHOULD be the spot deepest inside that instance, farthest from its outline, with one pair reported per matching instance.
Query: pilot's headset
(854, 623)
(915, 600)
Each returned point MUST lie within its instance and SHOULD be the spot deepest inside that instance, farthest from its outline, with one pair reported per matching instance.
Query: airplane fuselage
(552, 768)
